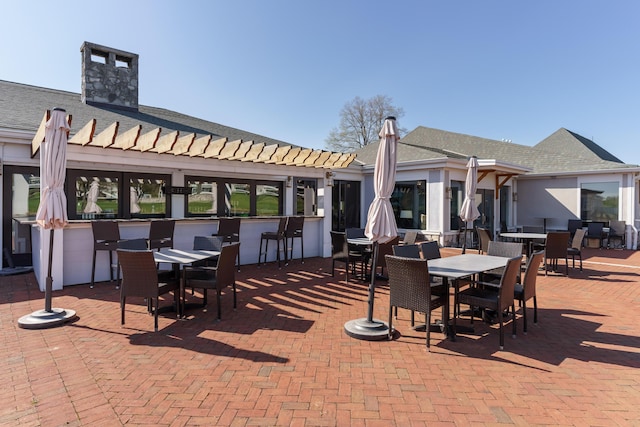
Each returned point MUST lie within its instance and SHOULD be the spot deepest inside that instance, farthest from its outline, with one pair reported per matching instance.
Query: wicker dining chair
(221, 276)
(484, 237)
(556, 248)
(576, 247)
(140, 279)
(229, 231)
(295, 226)
(527, 289)
(161, 233)
(409, 288)
(491, 297)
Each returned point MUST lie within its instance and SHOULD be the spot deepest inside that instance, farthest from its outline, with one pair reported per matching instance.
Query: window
(147, 195)
(409, 204)
(306, 197)
(224, 197)
(457, 197)
(599, 201)
(102, 195)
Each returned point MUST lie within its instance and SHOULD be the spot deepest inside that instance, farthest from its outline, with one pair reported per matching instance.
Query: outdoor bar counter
(76, 245)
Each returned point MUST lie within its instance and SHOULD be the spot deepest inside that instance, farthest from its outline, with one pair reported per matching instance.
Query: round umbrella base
(42, 319)
(363, 329)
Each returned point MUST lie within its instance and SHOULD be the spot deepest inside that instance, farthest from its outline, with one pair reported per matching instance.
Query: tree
(360, 123)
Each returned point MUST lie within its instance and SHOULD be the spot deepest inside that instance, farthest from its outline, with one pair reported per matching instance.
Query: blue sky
(499, 69)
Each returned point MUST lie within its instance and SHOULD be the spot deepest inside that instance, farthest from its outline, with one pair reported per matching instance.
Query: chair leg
(535, 309)
(218, 292)
(513, 308)
(427, 322)
(235, 300)
(524, 316)
(501, 321)
(302, 249)
(93, 270)
(390, 333)
(155, 313)
(122, 304)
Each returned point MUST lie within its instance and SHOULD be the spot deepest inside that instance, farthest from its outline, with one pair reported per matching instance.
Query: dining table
(179, 257)
(527, 239)
(452, 269)
(365, 244)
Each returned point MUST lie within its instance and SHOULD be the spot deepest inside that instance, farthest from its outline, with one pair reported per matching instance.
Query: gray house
(565, 176)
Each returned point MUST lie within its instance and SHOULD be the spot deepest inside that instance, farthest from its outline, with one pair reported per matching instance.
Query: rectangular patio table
(460, 266)
(527, 238)
(178, 257)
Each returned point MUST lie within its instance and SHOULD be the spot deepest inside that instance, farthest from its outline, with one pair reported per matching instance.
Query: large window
(224, 197)
(106, 195)
(409, 204)
(457, 197)
(599, 201)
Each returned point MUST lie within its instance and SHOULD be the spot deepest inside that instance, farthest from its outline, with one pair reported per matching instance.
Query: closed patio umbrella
(52, 211)
(381, 226)
(469, 210)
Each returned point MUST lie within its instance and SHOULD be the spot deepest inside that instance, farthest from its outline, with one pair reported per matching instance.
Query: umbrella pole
(49, 317)
(372, 284)
(368, 328)
(464, 237)
(49, 281)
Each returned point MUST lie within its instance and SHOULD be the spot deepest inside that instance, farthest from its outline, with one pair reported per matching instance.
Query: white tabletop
(522, 235)
(458, 266)
(182, 256)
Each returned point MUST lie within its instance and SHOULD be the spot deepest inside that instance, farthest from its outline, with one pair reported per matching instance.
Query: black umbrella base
(363, 329)
(43, 319)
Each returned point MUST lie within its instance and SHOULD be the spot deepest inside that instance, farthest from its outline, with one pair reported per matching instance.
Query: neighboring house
(565, 176)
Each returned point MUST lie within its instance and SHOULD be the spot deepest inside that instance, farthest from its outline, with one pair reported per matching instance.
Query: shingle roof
(22, 107)
(426, 143)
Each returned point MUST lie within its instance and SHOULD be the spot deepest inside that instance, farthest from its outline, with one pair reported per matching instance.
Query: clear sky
(500, 69)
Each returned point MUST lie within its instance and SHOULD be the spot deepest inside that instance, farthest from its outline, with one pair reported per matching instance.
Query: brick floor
(283, 358)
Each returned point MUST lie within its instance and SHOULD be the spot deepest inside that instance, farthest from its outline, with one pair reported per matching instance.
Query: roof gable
(569, 143)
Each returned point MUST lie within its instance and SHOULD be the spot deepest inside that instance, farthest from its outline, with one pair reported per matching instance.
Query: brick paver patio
(283, 358)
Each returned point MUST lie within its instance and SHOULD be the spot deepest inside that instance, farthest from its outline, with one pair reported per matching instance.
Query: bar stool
(229, 230)
(105, 238)
(278, 236)
(293, 231)
(161, 234)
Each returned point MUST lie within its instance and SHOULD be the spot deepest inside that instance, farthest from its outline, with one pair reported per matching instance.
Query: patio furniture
(489, 298)
(409, 237)
(484, 237)
(229, 230)
(132, 245)
(221, 276)
(280, 238)
(295, 225)
(576, 247)
(340, 252)
(526, 290)
(502, 249)
(140, 279)
(208, 243)
(359, 244)
(106, 235)
(574, 225)
(617, 231)
(595, 232)
(409, 288)
(407, 251)
(385, 249)
(555, 249)
(161, 233)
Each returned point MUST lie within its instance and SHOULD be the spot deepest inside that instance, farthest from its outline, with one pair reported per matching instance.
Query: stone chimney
(109, 77)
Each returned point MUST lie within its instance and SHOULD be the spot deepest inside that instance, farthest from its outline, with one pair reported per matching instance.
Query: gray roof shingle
(578, 153)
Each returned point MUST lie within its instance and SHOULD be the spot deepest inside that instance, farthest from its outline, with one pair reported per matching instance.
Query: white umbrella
(381, 225)
(52, 211)
(469, 210)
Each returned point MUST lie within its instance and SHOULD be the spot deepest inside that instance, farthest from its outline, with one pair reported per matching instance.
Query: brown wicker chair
(527, 290)
(576, 246)
(617, 231)
(385, 249)
(219, 277)
(106, 235)
(229, 230)
(556, 248)
(503, 249)
(340, 252)
(407, 251)
(490, 298)
(484, 237)
(140, 279)
(132, 245)
(279, 236)
(161, 233)
(295, 225)
(409, 288)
